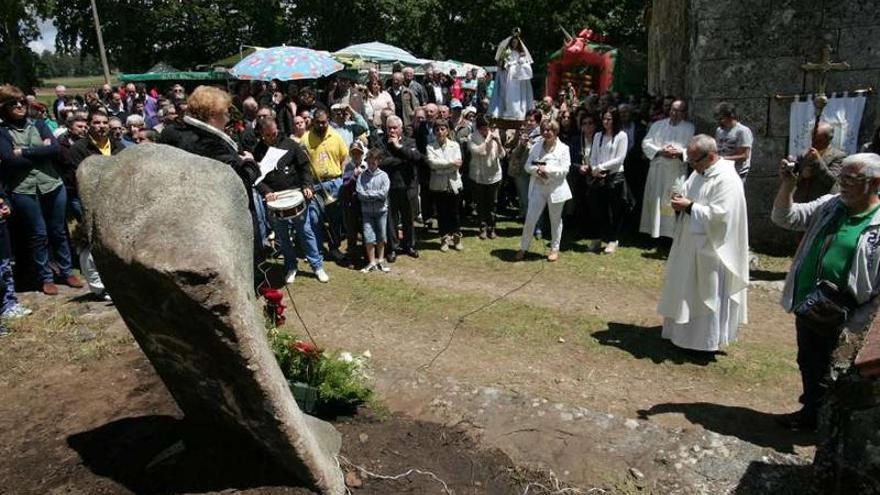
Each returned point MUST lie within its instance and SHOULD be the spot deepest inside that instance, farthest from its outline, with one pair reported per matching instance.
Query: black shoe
(391, 257)
(411, 252)
(802, 420)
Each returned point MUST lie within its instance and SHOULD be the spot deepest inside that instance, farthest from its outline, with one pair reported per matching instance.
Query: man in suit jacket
(819, 167)
(438, 93)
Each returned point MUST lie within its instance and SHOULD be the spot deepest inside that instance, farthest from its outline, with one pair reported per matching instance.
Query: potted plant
(319, 380)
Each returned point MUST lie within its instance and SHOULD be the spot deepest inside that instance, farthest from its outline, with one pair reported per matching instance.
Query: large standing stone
(172, 238)
(848, 453)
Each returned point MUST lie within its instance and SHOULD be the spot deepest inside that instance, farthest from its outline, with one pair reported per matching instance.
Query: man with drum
(279, 188)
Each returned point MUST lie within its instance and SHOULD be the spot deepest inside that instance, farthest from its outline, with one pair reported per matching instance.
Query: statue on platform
(513, 95)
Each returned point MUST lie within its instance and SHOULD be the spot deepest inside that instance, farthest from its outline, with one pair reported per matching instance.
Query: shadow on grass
(755, 427)
(646, 343)
(144, 454)
(510, 255)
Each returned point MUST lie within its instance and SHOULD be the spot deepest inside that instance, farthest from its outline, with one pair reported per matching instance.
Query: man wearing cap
(455, 109)
(327, 152)
(343, 124)
(351, 206)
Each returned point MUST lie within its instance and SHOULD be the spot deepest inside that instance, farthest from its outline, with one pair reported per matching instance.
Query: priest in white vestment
(665, 146)
(707, 273)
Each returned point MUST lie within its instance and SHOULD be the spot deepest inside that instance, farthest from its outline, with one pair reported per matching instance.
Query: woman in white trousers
(548, 164)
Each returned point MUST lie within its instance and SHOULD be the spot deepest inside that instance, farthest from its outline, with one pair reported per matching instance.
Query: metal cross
(821, 68)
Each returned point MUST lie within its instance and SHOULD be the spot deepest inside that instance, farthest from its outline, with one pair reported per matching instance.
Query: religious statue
(513, 96)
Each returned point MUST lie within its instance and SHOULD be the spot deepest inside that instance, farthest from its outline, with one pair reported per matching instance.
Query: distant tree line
(51, 65)
(139, 33)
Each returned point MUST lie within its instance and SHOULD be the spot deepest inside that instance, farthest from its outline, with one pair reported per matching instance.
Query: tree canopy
(139, 33)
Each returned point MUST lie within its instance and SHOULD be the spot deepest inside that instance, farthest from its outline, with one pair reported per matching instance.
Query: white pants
(90, 271)
(536, 207)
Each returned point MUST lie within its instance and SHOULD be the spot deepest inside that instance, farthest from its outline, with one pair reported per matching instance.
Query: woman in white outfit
(548, 164)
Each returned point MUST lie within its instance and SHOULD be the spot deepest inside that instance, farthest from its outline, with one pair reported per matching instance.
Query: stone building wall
(747, 51)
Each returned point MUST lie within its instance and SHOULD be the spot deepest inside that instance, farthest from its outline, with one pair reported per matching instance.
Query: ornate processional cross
(821, 68)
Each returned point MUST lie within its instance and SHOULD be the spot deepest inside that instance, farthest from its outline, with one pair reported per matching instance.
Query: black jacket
(204, 143)
(293, 170)
(444, 91)
(79, 151)
(401, 164)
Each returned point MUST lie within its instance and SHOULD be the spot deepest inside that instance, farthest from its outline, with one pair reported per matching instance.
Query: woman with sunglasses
(28, 152)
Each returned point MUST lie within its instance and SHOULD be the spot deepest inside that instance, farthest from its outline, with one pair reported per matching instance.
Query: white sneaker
(611, 247)
(16, 311)
(290, 277)
(368, 268)
(383, 267)
(322, 276)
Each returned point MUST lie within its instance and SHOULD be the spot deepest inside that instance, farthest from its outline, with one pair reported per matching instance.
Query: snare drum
(289, 203)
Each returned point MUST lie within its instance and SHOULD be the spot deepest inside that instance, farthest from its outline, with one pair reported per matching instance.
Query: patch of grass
(76, 84)
(534, 326)
(629, 265)
(507, 318)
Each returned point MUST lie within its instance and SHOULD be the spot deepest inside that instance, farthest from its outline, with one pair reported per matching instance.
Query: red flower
(307, 349)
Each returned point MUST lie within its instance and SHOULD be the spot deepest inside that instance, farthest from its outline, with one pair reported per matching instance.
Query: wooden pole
(101, 43)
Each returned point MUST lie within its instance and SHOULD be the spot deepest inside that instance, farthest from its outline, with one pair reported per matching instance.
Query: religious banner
(843, 113)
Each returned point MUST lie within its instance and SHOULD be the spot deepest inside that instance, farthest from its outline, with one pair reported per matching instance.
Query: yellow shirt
(327, 155)
(105, 150)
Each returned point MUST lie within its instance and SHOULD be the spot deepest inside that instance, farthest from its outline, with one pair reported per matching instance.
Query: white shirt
(608, 154)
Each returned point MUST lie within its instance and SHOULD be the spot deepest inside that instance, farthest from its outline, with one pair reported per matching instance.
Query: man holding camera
(836, 269)
(818, 168)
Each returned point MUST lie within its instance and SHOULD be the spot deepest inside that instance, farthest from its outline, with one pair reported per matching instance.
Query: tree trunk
(668, 47)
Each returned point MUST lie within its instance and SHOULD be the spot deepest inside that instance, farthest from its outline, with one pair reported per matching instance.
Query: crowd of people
(373, 158)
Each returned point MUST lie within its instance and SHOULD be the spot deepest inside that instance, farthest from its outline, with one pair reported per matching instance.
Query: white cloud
(46, 41)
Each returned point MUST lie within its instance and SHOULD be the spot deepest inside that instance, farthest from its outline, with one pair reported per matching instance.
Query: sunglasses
(15, 103)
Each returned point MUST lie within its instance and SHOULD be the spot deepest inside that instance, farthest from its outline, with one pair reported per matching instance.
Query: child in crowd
(372, 190)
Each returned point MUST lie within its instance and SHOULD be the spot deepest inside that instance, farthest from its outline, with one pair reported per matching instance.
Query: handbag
(826, 308)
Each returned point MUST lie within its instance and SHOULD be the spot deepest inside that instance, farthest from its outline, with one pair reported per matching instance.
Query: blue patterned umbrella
(286, 63)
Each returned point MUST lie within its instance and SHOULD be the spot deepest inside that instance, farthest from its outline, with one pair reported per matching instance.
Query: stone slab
(172, 238)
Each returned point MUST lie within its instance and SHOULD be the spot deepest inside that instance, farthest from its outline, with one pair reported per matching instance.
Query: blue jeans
(333, 212)
(284, 230)
(262, 218)
(43, 218)
(308, 234)
(374, 227)
(7, 285)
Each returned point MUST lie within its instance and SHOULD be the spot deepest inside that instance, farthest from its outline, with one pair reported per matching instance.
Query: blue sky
(46, 41)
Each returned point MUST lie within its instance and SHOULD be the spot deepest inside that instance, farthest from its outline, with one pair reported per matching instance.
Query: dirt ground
(83, 411)
(100, 427)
